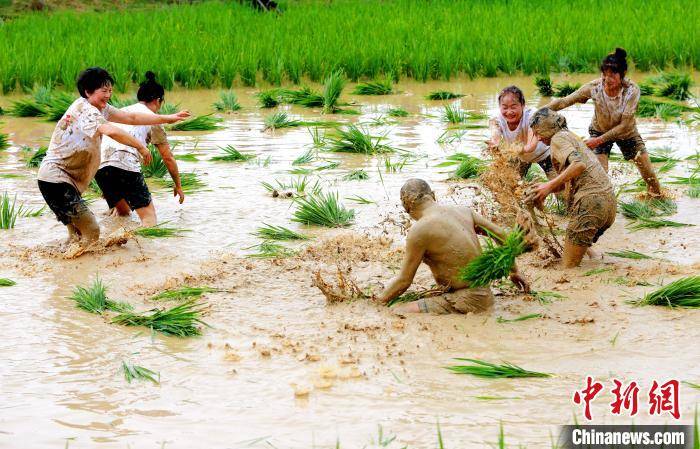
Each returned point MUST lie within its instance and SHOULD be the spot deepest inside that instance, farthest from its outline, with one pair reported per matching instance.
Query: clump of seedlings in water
(281, 119)
(331, 91)
(269, 98)
(397, 112)
(454, 114)
(356, 175)
(228, 102)
(5, 282)
(323, 210)
(299, 186)
(94, 299)
(169, 108)
(496, 261)
(36, 158)
(694, 192)
(468, 166)
(382, 87)
(270, 232)
(671, 85)
(9, 211)
(200, 123)
(231, 154)
(188, 181)
(4, 141)
(305, 158)
(119, 103)
(664, 110)
(357, 140)
(132, 372)
(644, 214)
(443, 95)
(480, 368)
(183, 293)
(684, 293)
(270, 250)
(156, 168)
(160, 231)
(58, 104)
(544, 85)
(565, 88)
(395, 167)
(35, 106)
(180, 321)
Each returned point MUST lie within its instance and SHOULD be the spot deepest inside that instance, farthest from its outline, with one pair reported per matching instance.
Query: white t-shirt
(123, 156)
(73, 155)
(519, 134)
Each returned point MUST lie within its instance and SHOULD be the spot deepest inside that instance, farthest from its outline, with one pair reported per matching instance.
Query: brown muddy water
(274, 338)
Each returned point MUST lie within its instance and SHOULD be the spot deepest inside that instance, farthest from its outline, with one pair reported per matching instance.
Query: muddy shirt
(122, 156)
(567, 148)
(499, 128)
(73, 155)
(614, 116)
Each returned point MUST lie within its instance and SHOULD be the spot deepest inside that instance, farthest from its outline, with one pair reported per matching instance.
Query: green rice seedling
(5, 282)
(443, 95)
(4, 141)
(188, 157)
(496, 261)
(546, 297)
(565, 88)
(32, 213)
(662, 155)
(59, 102)
(683, 293)
(397, 112)
(189, 182)
(94, 299)
(675, 86)
(653, 108)
(280, 120)
(156, 168)
(693, 180)
(318, 139)
(183, 293)
(492, 371)
(357, 140)
(628, 254)
(180, 321)
(230, 154)
(356, 175)
(270, 250)
(655, 223)
(160, 231)
(408, 297)
(359, 199)
(667, 166)
(383, 87)
(9, 211)
(328, 166)
(332, 89)
(323, 210)
(694, 192)
(544, 85)
(200, 123)
(228, 102)
(454, 114)
(132, 372)
(395, 167)
(646, 88)
(303, 97)
(520, 318)
(269, 98)
(636, 209)
(535, 174)
(305, 158)
(469, 168)
(597, 271)
(27, 107)
(270, 232)
(169, 108)
(300, 185)
(36, 158)
(121, 103)
(691, 384)
(664, 206)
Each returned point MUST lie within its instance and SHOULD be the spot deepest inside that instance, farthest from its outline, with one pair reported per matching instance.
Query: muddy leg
(645, 168)
(73, 233)
(86, 225)
(147, 215)
(411, 307)
(573, 254)
(603, 159)
(122, 208)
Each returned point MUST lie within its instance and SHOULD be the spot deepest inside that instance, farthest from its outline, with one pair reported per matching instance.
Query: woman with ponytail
(120, 178)
(615, 100)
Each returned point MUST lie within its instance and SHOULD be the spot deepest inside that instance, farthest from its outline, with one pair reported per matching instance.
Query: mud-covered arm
(627, 121)
(574, 168)
(171, 164)
(496, 133)
(582, 95)
(415, 249)
(125, 138)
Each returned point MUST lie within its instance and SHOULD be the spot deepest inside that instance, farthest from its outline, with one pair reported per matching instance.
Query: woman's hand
(145, 155)
(520, 282)
(540, 192)
(532, 142)
(594, 142)
(177, 191)
(174, 118)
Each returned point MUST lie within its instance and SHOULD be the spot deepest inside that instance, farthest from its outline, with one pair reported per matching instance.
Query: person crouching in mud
(592, 206)
(445, 238)
(73, 155)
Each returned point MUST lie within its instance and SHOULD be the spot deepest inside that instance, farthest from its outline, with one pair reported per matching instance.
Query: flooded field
(280, 368)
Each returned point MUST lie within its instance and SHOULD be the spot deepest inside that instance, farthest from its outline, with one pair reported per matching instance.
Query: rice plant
(323, 210)
(683, 293)
(188, 181)
(156, 168)
(300, 186)
(356, 175)
(268, 98)
(670, 85)
(544, 85)
(469, 166)
(655, 223)
(231, 154)
(480, 368)
(94, 299)
(270, 250)
(180, 321)
(628, 254)
(383, 87)
(183, 293)
(36, 158)
(662, 155)
(359, 199)
(454, 114)
(188, 157)
(694, 192)
(9, 211)
(169, 108)
(4, 141)
(119, 103)
(270, 232)
(664, 206)
(443, 95)
(397, 112)
(228, 102)
(280, 120)
(565, 88)
(305, 158)
(395, 167)
(652, 108)
(520, 318)
(357, 140)
(496, 261)
(27, 107)
(636, 209)
(546, 297)
(159, 231)
(32, 213)
(132, 372)
(5, 282)
(200, 123)
(58, 104)
(332, 89)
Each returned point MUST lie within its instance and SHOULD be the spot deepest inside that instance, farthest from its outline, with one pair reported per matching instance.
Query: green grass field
(224, 43)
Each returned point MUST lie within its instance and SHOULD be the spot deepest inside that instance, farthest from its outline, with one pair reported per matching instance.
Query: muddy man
(445, 238)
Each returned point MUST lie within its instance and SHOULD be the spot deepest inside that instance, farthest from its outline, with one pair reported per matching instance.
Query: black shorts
(64, 200)
(118, 184)
(629, 147)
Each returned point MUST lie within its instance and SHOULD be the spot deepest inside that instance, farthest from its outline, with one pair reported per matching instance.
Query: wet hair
(150, 90)
(92, 79)
(414, 191)
(513, 90)
(616, 62)
(546, 122)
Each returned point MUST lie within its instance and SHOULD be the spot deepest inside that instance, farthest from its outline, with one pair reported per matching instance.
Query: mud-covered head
(414, 193)
(545, 123)
(150, 89)
(614, 68)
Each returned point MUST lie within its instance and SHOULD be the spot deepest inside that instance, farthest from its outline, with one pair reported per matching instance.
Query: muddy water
(272, 333)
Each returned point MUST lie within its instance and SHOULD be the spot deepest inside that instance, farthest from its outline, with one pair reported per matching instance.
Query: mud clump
(344, 289)
(350, 248)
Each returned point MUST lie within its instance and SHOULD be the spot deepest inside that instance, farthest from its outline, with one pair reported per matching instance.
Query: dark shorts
(64, 200)
(629, 147)
(118, 184)
(545, 163)
(590, 218)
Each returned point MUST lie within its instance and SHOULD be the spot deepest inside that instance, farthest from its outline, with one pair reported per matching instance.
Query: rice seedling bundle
(156, 168)
(520, 318)
(132, 372)
(270, 232)
(443, 95)
(694, 192)
(628, 254)
(200, 123)
(231, 154)
(671, 85)
(684, 293)
(4, 141)
(305, 158)
(269, 98)
(183, 293)
(496, 261)
(180, 321)
(356, 175)
(189, 157)
(160, 231)
(469, 166)
(37, 157)
(565, 88)
(27, 108)
(9, 211)
(544, 85)
(357, 140)
(662, 155)
(323, 210)
(636, 209)
(280, 120)
(664, 110)
(332, 89)
(5, 282)
(383, 87)
(655, 223)
(58, 104)
(228, 102)
(480, 368)
(94, 299)
(189, 182)
(121, 103)
(270, 250)
(169, 108)
(397, 112)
